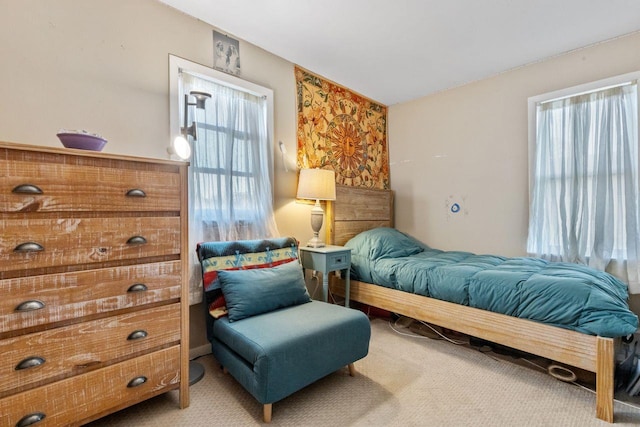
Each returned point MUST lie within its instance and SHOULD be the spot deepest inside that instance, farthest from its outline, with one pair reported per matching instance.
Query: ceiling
(397, 50)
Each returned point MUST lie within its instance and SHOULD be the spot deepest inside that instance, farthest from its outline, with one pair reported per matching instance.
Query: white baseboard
(199, 351)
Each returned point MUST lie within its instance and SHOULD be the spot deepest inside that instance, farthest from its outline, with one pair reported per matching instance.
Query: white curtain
(230, 187)
(585, 192)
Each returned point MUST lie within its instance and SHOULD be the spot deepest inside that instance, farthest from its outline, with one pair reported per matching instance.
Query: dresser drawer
(65, 296)
(37, 243)
(58, 353)
(61, 187)
(98, 392)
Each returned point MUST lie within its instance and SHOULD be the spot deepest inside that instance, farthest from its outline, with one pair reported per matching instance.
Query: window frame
(566, 93)
(573, 91)
(176, 64)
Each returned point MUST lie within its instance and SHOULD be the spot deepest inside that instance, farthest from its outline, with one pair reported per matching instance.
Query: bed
(354, 212)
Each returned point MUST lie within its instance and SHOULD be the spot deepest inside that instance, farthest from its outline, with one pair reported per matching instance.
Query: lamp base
(196, 372)
(317, 215)
(315, 242)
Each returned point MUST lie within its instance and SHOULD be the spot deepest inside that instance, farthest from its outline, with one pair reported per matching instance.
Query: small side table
(327, 259)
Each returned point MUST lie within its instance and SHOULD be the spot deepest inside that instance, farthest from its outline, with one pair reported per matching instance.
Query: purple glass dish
(82, 141)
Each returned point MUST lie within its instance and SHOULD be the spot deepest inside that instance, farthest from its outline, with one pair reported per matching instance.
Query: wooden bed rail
(591, 353)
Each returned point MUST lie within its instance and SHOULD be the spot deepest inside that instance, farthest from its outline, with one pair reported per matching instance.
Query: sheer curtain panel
(230, 182)
(584, 204)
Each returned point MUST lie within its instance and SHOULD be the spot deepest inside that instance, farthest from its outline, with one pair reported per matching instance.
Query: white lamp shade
(317, 184)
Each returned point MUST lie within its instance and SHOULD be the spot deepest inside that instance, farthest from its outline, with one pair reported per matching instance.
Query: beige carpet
(404, 381)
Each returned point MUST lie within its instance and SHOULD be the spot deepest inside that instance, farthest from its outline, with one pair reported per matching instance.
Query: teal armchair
(264, 328)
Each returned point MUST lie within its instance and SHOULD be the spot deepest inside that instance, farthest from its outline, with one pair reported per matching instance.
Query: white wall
(471, 143)
(103, 66)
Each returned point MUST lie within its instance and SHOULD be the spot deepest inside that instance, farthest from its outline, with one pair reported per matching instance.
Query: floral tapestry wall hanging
(341, 130)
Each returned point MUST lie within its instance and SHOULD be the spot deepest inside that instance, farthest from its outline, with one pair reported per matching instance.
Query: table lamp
(316, 184)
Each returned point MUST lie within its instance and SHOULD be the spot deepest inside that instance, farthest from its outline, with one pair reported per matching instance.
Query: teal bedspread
(566, 295)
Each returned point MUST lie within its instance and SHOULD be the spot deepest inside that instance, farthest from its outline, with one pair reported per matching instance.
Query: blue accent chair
(263, 327)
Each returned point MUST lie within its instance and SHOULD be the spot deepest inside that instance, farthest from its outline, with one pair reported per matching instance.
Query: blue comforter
(566, 295)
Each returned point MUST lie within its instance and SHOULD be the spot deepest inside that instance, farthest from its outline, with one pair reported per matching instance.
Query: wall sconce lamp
(180, 146)
(316, 184)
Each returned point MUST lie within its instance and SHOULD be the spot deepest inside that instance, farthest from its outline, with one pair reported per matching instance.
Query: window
(584, 175)
(231, 171)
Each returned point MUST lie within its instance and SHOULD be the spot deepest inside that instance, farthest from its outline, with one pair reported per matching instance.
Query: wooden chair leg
(352, 369)
(266, 411)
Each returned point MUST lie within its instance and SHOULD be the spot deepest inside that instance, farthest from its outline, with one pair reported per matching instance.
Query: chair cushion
(277, 353)
(257, 291)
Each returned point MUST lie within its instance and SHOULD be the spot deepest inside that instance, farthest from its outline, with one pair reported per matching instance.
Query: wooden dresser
(93, 272)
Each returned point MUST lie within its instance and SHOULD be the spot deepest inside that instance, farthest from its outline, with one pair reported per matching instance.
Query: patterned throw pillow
(240, 255)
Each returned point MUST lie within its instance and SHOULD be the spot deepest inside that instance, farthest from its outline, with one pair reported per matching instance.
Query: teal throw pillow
(256, 291)
(384, 242)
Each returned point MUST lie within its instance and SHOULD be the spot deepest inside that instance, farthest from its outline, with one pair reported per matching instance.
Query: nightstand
(327, 259)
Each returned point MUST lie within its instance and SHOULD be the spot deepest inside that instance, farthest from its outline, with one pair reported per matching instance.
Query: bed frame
(359, 209)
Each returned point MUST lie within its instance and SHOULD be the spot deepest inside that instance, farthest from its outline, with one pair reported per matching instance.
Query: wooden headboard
(357, 209)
